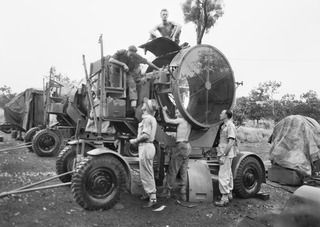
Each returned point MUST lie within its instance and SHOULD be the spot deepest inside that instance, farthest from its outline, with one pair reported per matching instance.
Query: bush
(253, 135)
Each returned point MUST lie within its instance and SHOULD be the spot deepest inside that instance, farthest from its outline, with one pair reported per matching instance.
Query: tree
(5, 95)
(240, 110)
(68, 84)
(203, 13)
(261, 101)
(309, 105)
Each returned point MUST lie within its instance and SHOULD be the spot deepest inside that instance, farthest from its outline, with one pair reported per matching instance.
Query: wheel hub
(101, 183)
(249, 178)
(46, 142)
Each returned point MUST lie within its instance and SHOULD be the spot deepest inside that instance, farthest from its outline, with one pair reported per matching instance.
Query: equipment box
(115, 108)
(284, 176)
(56, 108)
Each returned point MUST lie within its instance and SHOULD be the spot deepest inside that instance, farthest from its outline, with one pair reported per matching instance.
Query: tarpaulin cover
(296, 143)
(25, 110)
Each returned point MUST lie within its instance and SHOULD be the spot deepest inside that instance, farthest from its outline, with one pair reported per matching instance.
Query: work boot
(152, 201)
(166, 193)
(230, 196)
(223, 202)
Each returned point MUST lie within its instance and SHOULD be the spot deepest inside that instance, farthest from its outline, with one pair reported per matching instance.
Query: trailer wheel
(46, 143)
(249, 178)
(97, 182)
(29, 136)
(65, 162)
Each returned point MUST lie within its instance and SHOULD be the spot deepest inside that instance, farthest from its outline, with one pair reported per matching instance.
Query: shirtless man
(167, 28)
(180, 157)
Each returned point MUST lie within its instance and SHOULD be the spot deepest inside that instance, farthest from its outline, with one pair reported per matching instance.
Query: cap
(132, 48)
(151, 104)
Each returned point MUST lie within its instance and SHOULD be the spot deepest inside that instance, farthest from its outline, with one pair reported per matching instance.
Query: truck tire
(46, 143)
(97, 182)
(249, 178)
(29, 136)
(65, 162)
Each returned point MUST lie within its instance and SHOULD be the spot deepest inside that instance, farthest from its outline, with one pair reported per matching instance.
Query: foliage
(203, 13)
(68, 84)
(261, 101)
(260, 104)
(240, 110)
(5, 95)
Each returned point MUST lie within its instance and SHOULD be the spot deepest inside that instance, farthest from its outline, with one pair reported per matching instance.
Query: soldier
(130, 61)
(180, 157)
(146, 134)
(226, 152)
(167, 28)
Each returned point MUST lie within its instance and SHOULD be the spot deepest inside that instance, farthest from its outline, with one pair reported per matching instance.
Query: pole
(102, 87)
(89, 88)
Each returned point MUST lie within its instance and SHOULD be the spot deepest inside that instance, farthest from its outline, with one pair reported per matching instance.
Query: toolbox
(115, 107)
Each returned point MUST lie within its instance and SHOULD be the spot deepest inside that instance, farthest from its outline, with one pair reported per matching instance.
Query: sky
(263, 40)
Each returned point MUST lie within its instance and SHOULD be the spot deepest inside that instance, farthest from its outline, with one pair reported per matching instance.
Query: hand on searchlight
(133, 141)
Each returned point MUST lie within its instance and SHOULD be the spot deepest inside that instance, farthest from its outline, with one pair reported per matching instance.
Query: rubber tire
(79, 178)
(29, 136)
(239, 187)
(35, 143)
(14, 134)
(69, 152)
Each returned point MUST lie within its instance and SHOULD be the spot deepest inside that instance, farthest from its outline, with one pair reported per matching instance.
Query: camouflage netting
(296, 143)
(20, 111)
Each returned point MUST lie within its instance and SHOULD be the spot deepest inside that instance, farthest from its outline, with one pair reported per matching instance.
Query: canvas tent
(296, 144)
(25, 110)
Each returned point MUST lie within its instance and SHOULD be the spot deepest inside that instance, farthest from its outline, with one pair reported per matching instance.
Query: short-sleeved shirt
(132, 62)
(166, 30)
(148, 126)
(228, 131)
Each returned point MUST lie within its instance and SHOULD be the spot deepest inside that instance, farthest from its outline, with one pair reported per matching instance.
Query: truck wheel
(249, 178)
(14, 134)
(46, 143)
(29, 136)
(65, 162)
(97, 182)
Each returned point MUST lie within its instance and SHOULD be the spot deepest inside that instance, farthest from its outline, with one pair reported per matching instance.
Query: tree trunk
(202, 29)
(199, 28)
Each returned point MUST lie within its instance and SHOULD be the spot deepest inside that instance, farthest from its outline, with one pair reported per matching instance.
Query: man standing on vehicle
(130, 61)
(146, 134)
(226, 152)
(167, 28)
(180, 157)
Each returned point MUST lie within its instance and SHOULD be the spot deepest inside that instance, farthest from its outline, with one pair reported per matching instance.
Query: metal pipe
(15, 148)
(43, 181)
(34, 189)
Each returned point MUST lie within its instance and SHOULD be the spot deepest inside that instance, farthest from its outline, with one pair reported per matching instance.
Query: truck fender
(107, 151)
(75, 142)
(242, 155)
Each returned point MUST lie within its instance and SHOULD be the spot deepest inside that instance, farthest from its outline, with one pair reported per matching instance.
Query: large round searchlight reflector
(204, 84)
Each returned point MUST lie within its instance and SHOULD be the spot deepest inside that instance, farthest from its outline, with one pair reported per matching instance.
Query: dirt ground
(56, 207)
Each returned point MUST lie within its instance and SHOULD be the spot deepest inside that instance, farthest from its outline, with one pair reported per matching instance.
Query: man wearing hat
(180, 157)
(146, 134)
(130, 61)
